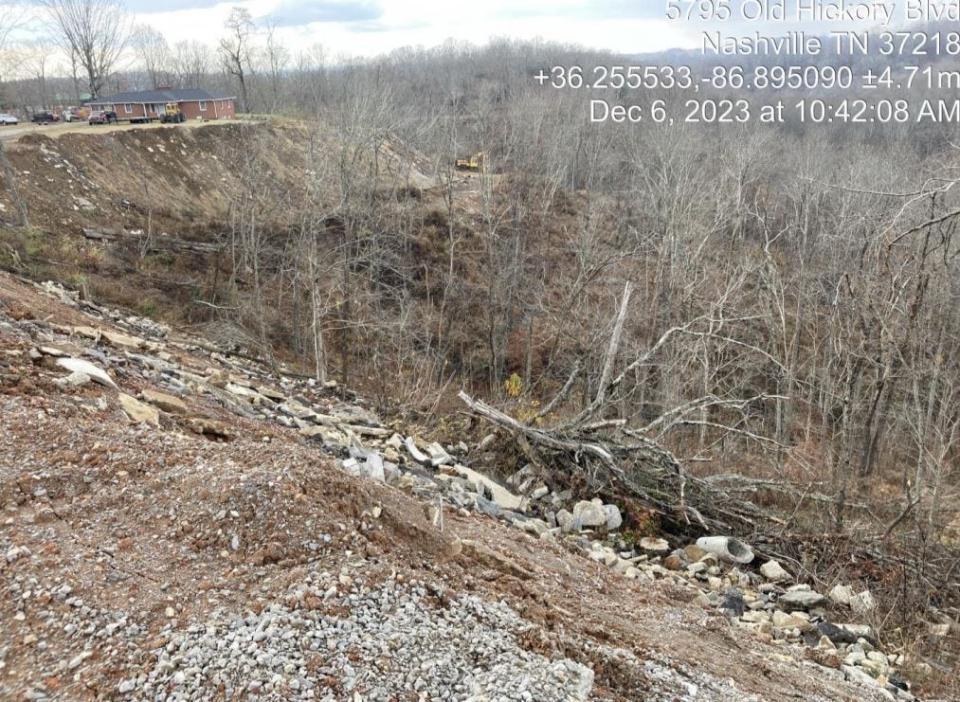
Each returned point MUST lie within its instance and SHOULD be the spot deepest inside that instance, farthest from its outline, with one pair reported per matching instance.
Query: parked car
(7, 119)
(102, 117)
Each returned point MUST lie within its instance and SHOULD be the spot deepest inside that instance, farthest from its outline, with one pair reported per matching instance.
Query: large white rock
(566, 521)
(614, 518)
(841, 594)
(417, 454)
(774, 572)
(801, 599)
(727, 548)
(589, 514)
(78, 365)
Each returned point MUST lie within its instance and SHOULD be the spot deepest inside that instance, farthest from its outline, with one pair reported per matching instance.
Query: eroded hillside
(178, 177)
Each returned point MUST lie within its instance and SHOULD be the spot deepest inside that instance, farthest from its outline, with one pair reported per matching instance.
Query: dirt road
(8, 133)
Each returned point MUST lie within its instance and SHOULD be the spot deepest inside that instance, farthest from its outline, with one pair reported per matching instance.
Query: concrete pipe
(727, 548)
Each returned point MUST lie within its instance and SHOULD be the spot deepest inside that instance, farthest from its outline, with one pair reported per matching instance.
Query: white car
(8, 119)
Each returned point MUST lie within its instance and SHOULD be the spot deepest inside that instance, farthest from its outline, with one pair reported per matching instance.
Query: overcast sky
(370, 27)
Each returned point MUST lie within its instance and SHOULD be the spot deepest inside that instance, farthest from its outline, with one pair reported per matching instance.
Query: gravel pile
(392, 642)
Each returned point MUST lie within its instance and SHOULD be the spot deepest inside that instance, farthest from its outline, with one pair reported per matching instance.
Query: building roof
(160, 95)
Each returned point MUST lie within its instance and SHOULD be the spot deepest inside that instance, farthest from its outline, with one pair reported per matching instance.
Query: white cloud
(431, 22)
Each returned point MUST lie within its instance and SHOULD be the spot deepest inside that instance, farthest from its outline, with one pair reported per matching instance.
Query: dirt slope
(129, 547)
(175, 176)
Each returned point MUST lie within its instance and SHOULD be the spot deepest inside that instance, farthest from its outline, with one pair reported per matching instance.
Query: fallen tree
(620, 460)
(612, 455)
(628, 461)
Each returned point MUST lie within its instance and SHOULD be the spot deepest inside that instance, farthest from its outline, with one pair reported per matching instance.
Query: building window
(203, 106)
(128, 109)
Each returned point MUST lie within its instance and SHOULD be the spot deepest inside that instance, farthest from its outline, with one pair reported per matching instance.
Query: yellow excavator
(474, 163)
(172, 114)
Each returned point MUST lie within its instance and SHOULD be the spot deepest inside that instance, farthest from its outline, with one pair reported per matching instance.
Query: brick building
(150, 104)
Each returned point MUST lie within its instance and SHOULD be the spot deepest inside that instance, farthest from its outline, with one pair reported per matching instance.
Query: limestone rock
(755, 616)
(589, 514)
(566, 521)
(139, 412)
(673, 562)
(863, 603)
(774, 572)
(654, 545)
(243, 391)
(539, 492)
(211, 428)
(74, 380)
(614, 518)
(841, 594)
(122, 340)
(168, 403)
(332, 437)
(801, 599)
(415, 452)
(727, 548)
(438, 455)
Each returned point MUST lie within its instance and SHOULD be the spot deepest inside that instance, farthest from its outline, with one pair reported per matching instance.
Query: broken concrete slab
(167, 403)
(415, 452)
(246, 393)
(329, 435)
(503, 497)
(438, 455)
(78, 365)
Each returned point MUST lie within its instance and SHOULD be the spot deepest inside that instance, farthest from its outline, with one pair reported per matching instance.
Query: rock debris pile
(392, 641)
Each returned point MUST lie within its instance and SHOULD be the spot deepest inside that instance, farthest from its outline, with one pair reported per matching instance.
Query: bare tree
(95, 32)
(277, 58)
(36, 60)
(235, 50)
(191, 61)
(154, 53)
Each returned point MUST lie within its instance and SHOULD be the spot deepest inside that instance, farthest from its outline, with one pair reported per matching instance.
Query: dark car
(43, 117)
(102, 117)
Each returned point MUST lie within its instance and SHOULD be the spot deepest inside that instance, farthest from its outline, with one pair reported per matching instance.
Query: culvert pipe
(727, 548)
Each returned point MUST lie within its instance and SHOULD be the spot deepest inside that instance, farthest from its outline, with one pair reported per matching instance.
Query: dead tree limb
(614, 345)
